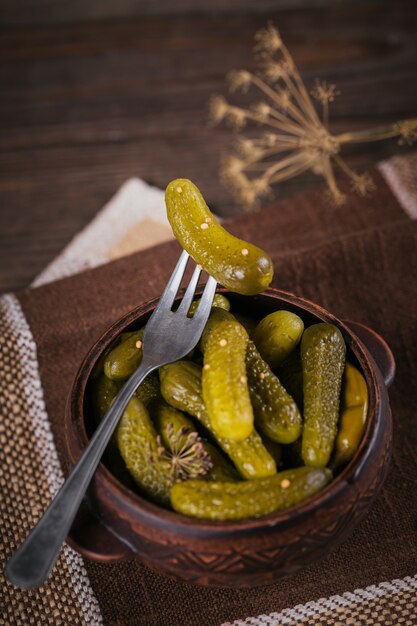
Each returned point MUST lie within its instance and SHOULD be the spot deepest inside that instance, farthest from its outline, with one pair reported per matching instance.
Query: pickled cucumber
(170, 422)
(251, 498)
(149, 389)
(236, 264)
(103, 392)
(143, 452)
(221, 470)
(323, 352)
(181, 387)
(277, 335)
(290, 373)
(125, 358)
(188, 455)
(175, 429)
(216, 316)
(219, 302)
(353, 413)
(98, 368)
(276, 413)
(225, 385)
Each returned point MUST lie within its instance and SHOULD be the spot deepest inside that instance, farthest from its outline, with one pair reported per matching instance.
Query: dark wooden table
(86, 106)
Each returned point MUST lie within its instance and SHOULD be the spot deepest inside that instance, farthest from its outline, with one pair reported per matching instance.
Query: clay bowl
(115, 522)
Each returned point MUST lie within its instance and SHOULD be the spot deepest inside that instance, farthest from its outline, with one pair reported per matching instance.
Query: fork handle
(30, 565)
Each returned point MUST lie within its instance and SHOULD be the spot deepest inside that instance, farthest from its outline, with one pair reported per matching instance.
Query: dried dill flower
(297, 138)
(185, 455)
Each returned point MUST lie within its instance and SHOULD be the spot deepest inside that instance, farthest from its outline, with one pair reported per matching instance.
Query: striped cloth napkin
(359, 262)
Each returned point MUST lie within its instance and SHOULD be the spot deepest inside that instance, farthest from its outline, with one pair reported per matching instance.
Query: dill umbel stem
(372, 134)
(326, 114)
(274, 97)
(291, 129)
(301, 88)
(283, 163)
(296, 115)
(329, 176)
(281, 147)
(257, 164)
(298, 97)
(289, 172)
(272, 94)
(344, 166)
(278, 139)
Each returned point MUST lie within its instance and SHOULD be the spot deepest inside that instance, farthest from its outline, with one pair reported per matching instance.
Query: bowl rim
(160, 516)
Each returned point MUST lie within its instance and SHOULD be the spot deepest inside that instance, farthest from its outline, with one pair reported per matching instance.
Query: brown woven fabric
(19, 485)
(360, 262)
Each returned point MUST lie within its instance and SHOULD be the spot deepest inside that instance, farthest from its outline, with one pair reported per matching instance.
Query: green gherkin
(353, 415)
(221, 470)
(216, 316)
(103, 392)
(224, 381)
(125, 358)
(252, 498)
(238, 265)
(219, 302)
(323, 353)
(290, 374)
(170, 422)
(143, 452)
(188, 455)
(181, 387)
(149, 389)
(98, 368)
(277, 335)
(276, 413)
(175, 428)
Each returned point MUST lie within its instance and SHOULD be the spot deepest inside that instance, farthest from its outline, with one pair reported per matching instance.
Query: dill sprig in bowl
(185, 456)
(296, 138)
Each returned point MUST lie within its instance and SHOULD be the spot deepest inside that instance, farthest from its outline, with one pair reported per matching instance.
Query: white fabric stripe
(44, 438)
(134, 202)
(300, 612)
(406, 199)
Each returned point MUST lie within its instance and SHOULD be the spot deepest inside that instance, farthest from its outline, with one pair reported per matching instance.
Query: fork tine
(174, 282)
(189, 294)
(206, 299)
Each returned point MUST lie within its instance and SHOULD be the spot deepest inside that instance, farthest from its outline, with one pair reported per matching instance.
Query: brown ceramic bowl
(115, 522)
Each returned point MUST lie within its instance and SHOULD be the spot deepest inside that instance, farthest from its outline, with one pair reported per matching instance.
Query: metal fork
(169, 336)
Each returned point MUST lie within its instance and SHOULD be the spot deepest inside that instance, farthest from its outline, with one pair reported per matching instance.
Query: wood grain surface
(86, 106)
(51, 11)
